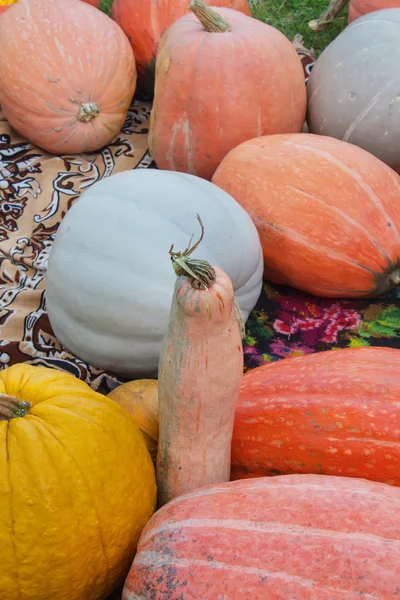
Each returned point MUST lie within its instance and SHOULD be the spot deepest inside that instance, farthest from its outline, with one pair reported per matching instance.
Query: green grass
(290, 17)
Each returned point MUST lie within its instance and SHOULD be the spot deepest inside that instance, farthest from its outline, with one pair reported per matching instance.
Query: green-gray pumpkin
(354, 87)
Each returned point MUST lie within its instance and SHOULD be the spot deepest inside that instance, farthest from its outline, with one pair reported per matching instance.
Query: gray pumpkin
(354, 87)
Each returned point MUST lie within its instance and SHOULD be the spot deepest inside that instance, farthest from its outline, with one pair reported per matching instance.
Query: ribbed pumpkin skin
(332, 413)
(145, 23)
(216, 90)
(358, 8)
(77, 486)
(307, 537)
(47, 72)
(327, 212)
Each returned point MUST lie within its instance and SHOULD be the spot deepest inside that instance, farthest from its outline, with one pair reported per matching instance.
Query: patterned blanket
(36, 191)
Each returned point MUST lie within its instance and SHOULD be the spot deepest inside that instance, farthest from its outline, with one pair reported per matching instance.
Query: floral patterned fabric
(287, 322)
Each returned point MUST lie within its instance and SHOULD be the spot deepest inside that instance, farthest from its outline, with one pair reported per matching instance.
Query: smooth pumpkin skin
(358, 8)
(330, 413)
(216, 90)
(299, 536)
(140, 399)
(47, 74)
(145, 23)
(199, 375)
(353, 89)
(327, 212)
(77, 486)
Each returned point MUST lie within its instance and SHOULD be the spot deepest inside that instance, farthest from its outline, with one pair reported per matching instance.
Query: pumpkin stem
(394, 278)
(209, 18)
(11, 407)
(334, 8)
(87, 111)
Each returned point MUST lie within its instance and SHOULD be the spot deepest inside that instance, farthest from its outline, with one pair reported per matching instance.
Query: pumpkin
(5, 4)
(109, 278)
(146, 22)
(199, 375)
(358, 8)
(253, 70)
(293, 536)
(59, 87)
(140, 399)
(77, 486)
(353, 89)
(327, 212)
(333, 413)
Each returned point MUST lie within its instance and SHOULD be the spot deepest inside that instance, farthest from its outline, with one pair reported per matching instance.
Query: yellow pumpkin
(140, 399)
(77, 486)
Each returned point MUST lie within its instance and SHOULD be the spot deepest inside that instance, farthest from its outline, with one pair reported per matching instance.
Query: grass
(289, 16)
(292, 17)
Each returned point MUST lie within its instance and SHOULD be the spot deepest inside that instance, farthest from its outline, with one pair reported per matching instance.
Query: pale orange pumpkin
(145, 22)
(140, 399)
(222, 78)
(65, 87)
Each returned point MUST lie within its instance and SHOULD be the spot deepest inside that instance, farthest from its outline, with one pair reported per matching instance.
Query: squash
(353, 89)
(333, 413)
(327, 212)
(294, 536)
(199, 375)
(77, 486)
(59, 87)
(257, 81)
(146, 22)
(109, 278)
(140, 399)
(358, 8)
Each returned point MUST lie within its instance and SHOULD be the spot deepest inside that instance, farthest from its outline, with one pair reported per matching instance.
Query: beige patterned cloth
(36, 191)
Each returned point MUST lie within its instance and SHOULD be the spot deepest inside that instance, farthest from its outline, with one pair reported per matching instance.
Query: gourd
(358, 8)
(253, 70)
(109, 278)
(146, 22)
(77, 486)
(327, 212)
(59, 87)
(353, 89)
(199, 375)
(331, 413)
(140, 399)
(293, 536)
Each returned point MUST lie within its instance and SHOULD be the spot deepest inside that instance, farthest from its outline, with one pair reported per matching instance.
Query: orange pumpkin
(327, 212)
(331, 413)
(145, 22)
(358, 8)
(222, 78)
(303, 537)
(66, 88)
(5, 4)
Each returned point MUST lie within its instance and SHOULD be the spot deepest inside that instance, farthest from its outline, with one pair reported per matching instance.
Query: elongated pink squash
(294, 537)
(199, 376)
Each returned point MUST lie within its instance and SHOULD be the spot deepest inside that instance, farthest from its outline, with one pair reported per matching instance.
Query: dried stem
(11, 407)
(87, 111)
(334, 8)
(209, 18)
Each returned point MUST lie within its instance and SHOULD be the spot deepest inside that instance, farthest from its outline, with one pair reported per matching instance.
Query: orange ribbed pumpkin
(145, 22)
(327, 212)
(303, 537)
(217, 87)
(67, 74)
(331, 413)
(358, 8)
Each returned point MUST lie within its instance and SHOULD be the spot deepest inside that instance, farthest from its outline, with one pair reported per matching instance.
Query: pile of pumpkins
(310, 444)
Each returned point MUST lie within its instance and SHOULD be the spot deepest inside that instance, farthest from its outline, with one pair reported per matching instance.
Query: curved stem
(209, 18)
(334, 8)
(87, 111)
(11, 407)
